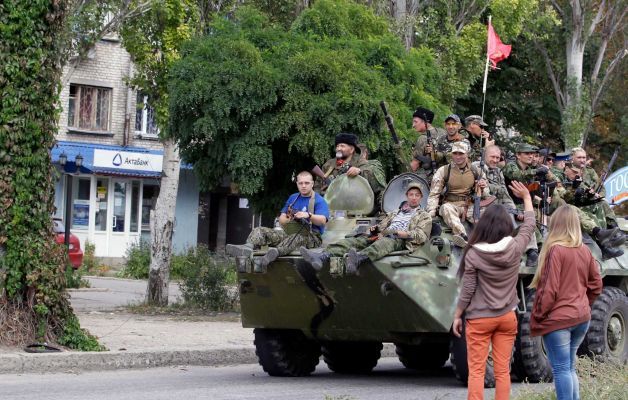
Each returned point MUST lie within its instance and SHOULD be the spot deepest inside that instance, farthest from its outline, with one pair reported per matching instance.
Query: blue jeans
(561, 347)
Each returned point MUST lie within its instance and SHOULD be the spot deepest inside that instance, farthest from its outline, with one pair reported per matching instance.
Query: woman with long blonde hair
(567, 281)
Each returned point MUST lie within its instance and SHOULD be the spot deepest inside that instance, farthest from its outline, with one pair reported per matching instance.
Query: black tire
(529, 360)
(351, 357)
(607, 334)
(423, 357)
(286, 352)
(458, 348)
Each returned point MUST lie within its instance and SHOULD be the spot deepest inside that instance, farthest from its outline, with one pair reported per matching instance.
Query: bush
(74, 277)
(206, 280)
(78, 338)
(137, 261)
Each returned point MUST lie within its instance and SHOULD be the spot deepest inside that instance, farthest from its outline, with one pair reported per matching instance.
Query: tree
(154, 42)
(253, 101)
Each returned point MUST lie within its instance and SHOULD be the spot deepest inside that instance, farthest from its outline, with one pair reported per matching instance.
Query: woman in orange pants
(489, 271)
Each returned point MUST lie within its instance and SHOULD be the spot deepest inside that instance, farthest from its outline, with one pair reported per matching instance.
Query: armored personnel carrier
(407, 299)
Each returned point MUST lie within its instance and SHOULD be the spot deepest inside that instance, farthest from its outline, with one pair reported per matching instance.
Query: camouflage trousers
(284, 243)
(373, 250)
(591, 217)
(452, 213)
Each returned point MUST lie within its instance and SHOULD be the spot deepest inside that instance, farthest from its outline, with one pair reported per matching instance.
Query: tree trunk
(162, 227)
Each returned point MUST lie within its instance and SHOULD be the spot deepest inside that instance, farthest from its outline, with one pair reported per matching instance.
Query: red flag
(497, 51)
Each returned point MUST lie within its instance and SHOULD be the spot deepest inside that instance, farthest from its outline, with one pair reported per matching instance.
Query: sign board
(126, 160)
(616, 186)
(80, 214)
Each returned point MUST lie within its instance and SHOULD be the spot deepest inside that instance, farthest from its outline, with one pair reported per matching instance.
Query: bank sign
(126, 160)
(616, 186)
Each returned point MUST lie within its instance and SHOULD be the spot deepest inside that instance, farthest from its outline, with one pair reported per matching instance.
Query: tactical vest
(459, 186)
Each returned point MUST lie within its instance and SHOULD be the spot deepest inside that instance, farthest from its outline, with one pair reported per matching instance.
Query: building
(111, 127)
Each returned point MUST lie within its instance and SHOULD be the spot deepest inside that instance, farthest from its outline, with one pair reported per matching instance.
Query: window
(145, 121)
(88, 108)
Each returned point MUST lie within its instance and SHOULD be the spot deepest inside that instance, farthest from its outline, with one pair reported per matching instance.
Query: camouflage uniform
(476, 152)
(454, 206)
(443, 146)
(419, 228)
(371, 170)
(284, 242)
(497, 187)
(418, 151)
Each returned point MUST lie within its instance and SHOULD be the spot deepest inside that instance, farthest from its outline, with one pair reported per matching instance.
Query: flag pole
(485, 69)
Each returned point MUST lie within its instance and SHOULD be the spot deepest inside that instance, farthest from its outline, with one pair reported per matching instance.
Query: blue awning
(87, 151)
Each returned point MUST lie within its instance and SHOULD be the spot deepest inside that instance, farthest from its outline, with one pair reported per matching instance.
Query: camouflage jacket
(513, 172)
(418, 149)
(443, 147)
(420, 227)
(371, 170)
(590, 180)
(439, 185)
(497, 186)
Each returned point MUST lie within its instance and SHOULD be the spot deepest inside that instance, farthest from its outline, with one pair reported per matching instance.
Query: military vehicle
(407, 299)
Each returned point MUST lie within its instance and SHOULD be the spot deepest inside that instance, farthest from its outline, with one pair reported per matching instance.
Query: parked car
(75, 252)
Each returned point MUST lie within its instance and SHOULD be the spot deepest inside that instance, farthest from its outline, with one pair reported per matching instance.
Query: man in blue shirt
(303, 218)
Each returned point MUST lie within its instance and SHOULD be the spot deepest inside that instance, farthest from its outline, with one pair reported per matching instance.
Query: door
(124, 220)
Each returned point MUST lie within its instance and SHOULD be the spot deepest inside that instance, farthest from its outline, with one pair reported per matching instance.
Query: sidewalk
(135, 340)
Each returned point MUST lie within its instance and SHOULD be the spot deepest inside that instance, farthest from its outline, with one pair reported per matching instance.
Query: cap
(455, 117)
(424, 114)
(526, 148)
(546, 152)
(414, 185)
(564, 156)
(475, 119)
(459, 147)
(347, 138)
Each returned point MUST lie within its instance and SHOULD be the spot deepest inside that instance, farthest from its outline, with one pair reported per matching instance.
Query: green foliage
(89, 257)
(254, 101)
(137, 261)
(206, 279)
(74, 278)
(77, 338)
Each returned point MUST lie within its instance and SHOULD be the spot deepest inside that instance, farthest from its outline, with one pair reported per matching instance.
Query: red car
(75, 252)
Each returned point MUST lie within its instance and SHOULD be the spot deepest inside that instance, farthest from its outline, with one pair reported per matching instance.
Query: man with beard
(474, 124)
(444, 142)
(407, 228)
(349, 161)
(594, 212)
(303, 218)
(452, 189)
(422, 150)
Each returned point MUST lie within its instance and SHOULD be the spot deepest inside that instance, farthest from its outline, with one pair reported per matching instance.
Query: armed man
(424, 152)
(595, 214)
(497, 187)
(474, 124)
(349, 161)
(303, 218)
(454, 134)
(407, 228)
(558, 166)
(452, 189)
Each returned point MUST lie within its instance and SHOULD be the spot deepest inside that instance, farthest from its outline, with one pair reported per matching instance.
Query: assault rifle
(317, 171)
(478, 191)
(393, 133)
(607, 170)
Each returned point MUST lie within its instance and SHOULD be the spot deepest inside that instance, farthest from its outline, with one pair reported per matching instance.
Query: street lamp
(78, 162)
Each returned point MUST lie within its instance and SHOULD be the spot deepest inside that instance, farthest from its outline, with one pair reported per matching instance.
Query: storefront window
(102, 185)
(149, 199)
(80, 203)
(119, 206)
(135, 197)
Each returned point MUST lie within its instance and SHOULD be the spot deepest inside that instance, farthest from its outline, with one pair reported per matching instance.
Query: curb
(76, 362)
(22, 363)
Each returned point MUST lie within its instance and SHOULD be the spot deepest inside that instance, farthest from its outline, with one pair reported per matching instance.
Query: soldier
(407, 228)
(558, 166)
(546, 157)
(454, 134)
(451, 191)
(594, 212)
(349, 161)
(303, 218)
(474, 124)
(421, 151)
(497, 187)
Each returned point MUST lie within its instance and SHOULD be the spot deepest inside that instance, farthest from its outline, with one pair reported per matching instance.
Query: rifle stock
(607, 170)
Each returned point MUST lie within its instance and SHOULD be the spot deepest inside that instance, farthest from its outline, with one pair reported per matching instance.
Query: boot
(460, 240)
(532, 257)
(270, 256)
(617, 241)
(313, 257)
(604, 236)
(608, 252)
(239, 250)
(354, 259)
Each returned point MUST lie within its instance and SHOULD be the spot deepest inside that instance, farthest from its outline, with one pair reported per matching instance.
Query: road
(388, 381)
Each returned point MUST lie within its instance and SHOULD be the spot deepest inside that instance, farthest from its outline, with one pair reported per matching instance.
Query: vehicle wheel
(607, 332)
(426, 356)
(285, 352)
(352, 357)
(530, 361)
(458, 348)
